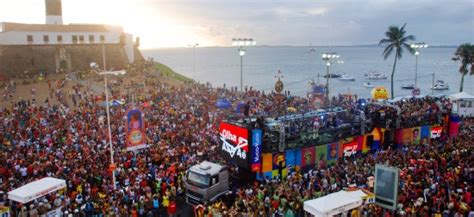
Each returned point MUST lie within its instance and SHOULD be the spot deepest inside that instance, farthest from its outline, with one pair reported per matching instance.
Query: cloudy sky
(178, 23)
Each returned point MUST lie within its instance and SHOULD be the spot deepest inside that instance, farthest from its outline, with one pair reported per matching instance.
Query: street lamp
(105, 73)
(241, 43)
(417, 47)
(194, 57)
(329, 58)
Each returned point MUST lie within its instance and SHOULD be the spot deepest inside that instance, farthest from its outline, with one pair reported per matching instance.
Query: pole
(432, 84)
(318, 78)
(108, 117)
(194, 61)
(327, 84)
(416, 70)
(241, 69)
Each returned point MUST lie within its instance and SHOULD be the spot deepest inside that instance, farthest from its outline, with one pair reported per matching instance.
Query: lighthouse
(54, 12)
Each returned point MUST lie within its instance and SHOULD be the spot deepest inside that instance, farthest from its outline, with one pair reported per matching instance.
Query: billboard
(234, 144)
(135, 130)
(256, 162)
(386, 186)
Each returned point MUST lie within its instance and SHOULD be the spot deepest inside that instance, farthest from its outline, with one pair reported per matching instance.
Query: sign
(256, 163)
(436, 132)
(235, 146)
(4, 211)
(135, 130)
(349, 149)
(386, 186)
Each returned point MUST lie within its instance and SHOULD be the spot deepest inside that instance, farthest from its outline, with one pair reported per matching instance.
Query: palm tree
(465, 53)
(396, 41)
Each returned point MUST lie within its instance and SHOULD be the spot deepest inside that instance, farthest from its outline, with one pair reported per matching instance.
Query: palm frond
(387, 51)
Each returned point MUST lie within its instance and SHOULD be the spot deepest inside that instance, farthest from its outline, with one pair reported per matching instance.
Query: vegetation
(396, 41)
(465, 54)
(168, 72)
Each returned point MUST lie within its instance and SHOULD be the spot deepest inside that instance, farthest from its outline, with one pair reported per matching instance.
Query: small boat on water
(346, 77)
(368, 85)
(374, 75)
(408, 86)
(440, 85)
(332, 75)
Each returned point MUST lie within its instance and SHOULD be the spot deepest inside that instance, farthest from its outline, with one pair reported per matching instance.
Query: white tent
(335, 203)
(36, 189)
(463, 103)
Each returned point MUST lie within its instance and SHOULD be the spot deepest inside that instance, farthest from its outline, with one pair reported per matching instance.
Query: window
(60, 39)
(463, 104)
(81, 39)
(214, 180)
(46, 39)
(74, 39)
(102, 38)
(29, 38)
(91, 39)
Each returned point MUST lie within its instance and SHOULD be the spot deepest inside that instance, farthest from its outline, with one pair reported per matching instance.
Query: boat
(346, 77)
(408, 86)
(368, 84)
(440, 85)
(374, 75)
(332, 75)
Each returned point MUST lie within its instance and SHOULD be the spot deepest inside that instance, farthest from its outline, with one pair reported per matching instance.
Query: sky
(179, 23)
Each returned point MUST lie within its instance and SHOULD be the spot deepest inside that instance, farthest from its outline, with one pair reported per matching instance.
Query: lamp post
(105, 74)
(241, 43)
(329, 58)
(417, 47)
(194, 57)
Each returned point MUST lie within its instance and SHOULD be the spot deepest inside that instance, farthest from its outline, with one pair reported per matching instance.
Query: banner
(135, 130)
(425, 132)
(407, 136)
(416, 135)
(291, 158)
(349, 149)
(256, 150)
(454, 126)
(399, 136)
(436, 132)
(234, 144)
(279, 163)
(321, 153)
(308, 157)
(332, 151)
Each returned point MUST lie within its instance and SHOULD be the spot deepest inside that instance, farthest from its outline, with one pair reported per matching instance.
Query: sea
(299, 66)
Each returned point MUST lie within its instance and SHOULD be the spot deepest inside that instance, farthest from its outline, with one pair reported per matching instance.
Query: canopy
(36, 189)
(462, 96)
(223, 103)
(334, 203)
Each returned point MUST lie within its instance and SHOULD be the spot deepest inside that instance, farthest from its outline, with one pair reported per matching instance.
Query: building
(54, 46)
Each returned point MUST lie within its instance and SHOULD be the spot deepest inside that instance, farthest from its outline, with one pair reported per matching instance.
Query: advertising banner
(349, 149)
(425, 132)
(308, 157)
(267, 164)
(256, 163)
(135, 130)
(291, 158)
(454, 126)
(436, 132)
(234, 144)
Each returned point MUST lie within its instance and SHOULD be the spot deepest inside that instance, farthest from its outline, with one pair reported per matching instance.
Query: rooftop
(22, 27)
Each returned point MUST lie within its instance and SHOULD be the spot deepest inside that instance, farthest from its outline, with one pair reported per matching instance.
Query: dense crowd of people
(69, 141)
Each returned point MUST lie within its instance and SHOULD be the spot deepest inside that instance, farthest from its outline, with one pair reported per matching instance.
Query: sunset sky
(178, 23)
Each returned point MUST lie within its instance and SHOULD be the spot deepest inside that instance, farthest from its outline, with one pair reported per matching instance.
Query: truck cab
(205, 182)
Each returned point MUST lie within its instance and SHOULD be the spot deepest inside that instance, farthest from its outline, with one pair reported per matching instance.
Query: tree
(396, 41)
(465, 53)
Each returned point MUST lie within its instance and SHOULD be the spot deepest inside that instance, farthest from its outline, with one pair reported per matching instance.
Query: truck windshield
(198, 180)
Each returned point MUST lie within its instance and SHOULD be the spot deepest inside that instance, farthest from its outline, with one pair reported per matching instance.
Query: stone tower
(54, 12)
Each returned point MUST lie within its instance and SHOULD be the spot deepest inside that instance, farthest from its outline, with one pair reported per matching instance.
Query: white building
(55, 33)
(463, 103)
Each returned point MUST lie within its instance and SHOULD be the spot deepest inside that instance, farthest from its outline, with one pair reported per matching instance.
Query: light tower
(54, 12)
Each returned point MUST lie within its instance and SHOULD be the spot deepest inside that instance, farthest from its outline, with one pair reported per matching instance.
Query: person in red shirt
(172, 208)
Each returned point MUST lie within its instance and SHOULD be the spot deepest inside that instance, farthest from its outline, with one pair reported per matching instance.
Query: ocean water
(221, 65)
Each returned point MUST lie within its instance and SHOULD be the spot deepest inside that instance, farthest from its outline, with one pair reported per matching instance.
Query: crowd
(68, 140)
